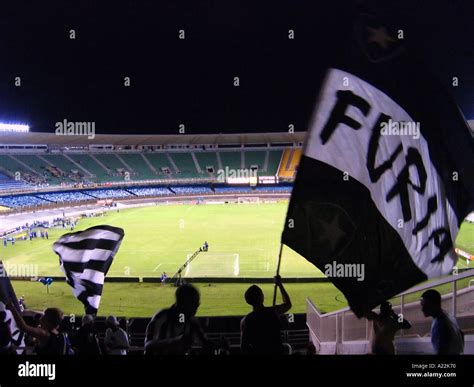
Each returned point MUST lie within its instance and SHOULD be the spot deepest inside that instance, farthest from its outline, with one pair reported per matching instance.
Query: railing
(342, 332)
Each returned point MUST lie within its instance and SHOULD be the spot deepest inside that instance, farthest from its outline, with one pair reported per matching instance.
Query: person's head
(51, 318)
(112, 322)
(431, 303)
(254, 296)
(87, 319)
(187, 299)
(385, 308)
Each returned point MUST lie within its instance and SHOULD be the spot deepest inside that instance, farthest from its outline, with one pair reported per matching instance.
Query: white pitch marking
(157, 266)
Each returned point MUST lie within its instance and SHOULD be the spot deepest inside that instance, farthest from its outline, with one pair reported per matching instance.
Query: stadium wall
(191, 279)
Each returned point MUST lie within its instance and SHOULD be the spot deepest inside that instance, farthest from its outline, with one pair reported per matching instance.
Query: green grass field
(160, 238)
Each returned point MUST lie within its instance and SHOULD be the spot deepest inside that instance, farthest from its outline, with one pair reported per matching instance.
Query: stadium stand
(11, 165)
(277, 188)
(255, 159)
(150, 191)
(141, 170)
(161, 163)
(7, 183)
(56, 171)
(73, 168)
(21, 201)
(230, 189)
(289, 163)
(232, 160)
(207, 162)
(64, 197)
(87, 162)
(52, 174)
(72, 172)
(114, 166)
(185, 164)
(191, 190)
(274, 158)
(109, 193)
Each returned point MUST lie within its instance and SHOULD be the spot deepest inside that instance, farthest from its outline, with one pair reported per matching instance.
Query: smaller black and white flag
(7, 293)
(85, 258)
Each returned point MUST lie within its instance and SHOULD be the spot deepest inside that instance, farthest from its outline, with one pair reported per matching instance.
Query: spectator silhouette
(116, 339)
(86, 340)
(386, 325)
(260, 329)
(174, 330)
(49, 341)
(446, 336)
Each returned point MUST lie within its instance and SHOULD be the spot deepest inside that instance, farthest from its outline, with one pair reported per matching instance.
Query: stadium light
(16, 128)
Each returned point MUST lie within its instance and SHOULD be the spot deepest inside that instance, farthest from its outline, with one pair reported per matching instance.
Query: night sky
(190, 81)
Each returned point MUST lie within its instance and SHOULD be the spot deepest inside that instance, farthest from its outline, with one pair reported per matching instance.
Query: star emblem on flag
(377, 39)
(331, 229)
(331, 232)
(380, 36)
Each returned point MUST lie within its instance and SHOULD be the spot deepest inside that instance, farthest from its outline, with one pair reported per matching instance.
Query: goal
(214, 265)
(248, 200)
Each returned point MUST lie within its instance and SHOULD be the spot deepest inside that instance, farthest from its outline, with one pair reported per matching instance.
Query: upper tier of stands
(55, 169)
(232, 160)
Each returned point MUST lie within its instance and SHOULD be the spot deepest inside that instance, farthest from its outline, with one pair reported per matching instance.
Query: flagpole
(277, 273)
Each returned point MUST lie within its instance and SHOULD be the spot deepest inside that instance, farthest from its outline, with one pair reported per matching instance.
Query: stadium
(186, 186)
(170, 194)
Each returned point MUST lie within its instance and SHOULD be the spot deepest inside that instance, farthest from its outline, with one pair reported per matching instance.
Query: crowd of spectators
(39, 199)
(150, 191)
(64, 197)
(177, 331)
(191, 190)
(21, 201)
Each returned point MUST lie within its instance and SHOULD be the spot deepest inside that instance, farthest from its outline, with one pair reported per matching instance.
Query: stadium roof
(177, 139)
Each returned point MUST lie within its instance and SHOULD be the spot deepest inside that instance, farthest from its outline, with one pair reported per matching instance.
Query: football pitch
(243, 242)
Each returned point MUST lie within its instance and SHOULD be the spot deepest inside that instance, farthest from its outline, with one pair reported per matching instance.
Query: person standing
(386, 325)
(173, 331)
(164, 278)
(50, 341)
(86, 340)
(116, 339)
(260, 329)
(446, 336)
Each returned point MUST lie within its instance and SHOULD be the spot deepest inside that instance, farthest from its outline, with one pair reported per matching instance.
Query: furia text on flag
(390, 201)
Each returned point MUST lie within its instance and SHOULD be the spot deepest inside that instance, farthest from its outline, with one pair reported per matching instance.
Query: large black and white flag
(85, 258)
(386, 176)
